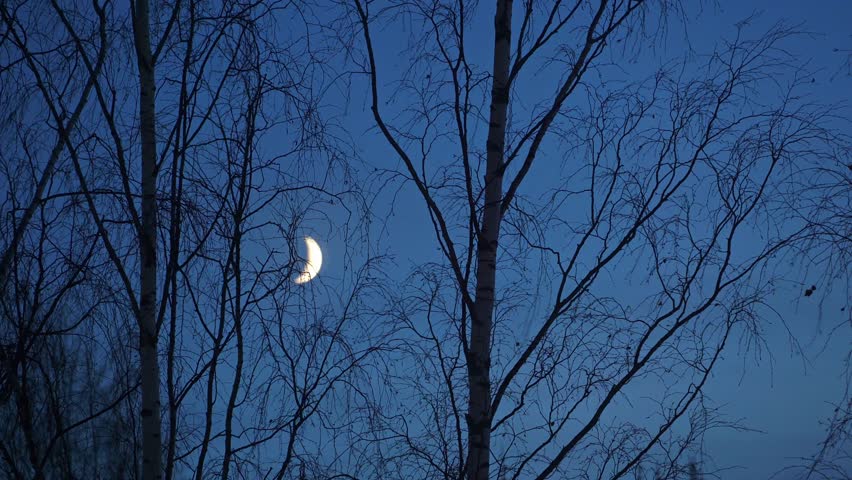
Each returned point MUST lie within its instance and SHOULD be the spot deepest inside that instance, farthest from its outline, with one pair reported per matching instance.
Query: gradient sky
(787, 396)
(781, 393)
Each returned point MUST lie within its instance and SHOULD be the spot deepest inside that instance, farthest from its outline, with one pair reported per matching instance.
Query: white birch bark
(479, 359)
(150, 374)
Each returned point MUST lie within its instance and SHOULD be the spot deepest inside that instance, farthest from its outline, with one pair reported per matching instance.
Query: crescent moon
(313, 263)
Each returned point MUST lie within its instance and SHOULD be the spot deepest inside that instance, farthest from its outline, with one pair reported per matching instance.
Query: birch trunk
(150, 374)
(479, 359)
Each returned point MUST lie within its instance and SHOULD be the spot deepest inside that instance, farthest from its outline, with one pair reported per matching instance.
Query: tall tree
(148, 328)
(229, 146)
(663, 182)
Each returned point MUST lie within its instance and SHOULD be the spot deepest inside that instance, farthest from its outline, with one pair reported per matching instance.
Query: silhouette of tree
(605, 232)
(149, 313)
(529, 328)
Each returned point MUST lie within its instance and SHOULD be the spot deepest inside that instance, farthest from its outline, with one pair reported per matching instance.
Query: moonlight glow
(313, 262)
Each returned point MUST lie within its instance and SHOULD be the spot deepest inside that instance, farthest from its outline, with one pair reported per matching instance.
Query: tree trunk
(479, 357)
(150, 375)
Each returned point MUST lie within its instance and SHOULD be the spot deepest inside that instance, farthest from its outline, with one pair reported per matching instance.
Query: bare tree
(606, 235)
(51, 298)
(668, 183)
(42, 78)
(823, 203)
(147, 233)
(237, 159)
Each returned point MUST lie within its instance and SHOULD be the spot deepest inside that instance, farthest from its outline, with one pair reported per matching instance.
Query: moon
(313, 263)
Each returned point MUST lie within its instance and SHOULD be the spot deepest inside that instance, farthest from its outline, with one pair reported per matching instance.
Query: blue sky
(780, 392)
(787, 395)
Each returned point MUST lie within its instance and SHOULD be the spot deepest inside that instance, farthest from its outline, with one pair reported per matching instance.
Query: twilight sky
(779, 393)
(782, 394)
(787, 395)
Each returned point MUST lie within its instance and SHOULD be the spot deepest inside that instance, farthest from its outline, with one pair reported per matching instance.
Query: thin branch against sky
(560, 239)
